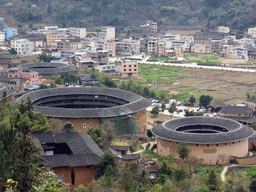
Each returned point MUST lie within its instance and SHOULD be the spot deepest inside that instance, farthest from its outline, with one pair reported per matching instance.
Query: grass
(146, 151)
(191, 55)
(185, 95)
(209, 57)
(159, 74)
(162, 59)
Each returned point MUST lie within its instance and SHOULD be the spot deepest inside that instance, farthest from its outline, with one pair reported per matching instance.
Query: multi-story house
(110, 46)
(149, 27)
(108, 32)
(2, 38)
(51, 37)
(9, 33)
(252, 31)
(64, 31)
(161, 48)
(23, 47)
(223, 29)
(235, 52)
(77, 32)
(51, 29)
(77, 44)
(130, 69)
(201, 48)
(128, 47)
(153, 47)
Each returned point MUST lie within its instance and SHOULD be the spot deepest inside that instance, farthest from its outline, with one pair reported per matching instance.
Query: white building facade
(77, 32)
(23, 47)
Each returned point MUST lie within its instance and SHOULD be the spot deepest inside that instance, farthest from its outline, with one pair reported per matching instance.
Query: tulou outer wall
(84, 124)
(211, 155)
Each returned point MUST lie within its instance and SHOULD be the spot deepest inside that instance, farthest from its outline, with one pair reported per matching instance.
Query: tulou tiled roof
(236, 131)
(85, 151)
(134, 102)
(237, 110)
(48, 68)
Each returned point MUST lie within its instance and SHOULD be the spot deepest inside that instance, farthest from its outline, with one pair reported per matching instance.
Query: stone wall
(141, 120)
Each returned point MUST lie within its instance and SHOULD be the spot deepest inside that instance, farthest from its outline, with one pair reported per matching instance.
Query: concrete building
(23, 47)
(223, 29)
(252, 31)
(110, 46)
(109, 69)
(130, 69)
(201, 48)
(153, 47)
(128, 47)
(77, 32)
(9, 33)
(64, 31)
(2, 38)
(108, 32)
(51, 29)
(212, 140)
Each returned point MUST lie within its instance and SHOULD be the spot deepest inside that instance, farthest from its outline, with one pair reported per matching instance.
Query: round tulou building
(213, 140)
(86, 107)
(47, 68)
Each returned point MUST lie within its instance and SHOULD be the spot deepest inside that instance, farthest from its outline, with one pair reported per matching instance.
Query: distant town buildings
(77, 32)
(252, 31)
(223, 29)
(108, 32)
(130, 69)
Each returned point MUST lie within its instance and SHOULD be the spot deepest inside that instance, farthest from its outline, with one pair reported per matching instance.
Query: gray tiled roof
(251, 100)
(120, 148)
(131, 157)
(135, 102)
(48, 68)
(237, 110)
(236, 131)
(8, 90)
(84, 150)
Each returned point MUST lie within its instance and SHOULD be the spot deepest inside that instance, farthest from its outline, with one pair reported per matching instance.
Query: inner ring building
(213, 140)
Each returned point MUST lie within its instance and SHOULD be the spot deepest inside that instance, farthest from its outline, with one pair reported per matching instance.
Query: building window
(196, 145)
(73, 177)
(130, 70)
(84, 125)
(130, 66)
(233, 143)
(217, 145)
(226, 144)
(90, 125)
(124, 65)
(207, 145)
(134, 65)
(124, 69)
(135, 69)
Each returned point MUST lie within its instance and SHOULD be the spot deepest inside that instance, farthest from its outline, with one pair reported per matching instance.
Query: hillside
(237, 14)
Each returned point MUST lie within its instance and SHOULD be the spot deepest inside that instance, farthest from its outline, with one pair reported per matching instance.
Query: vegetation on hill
(132, 13)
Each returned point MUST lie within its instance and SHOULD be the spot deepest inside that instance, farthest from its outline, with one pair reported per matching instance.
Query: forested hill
(237, 14)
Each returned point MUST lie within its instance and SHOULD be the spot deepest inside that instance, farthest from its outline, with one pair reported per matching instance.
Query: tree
(58, 81)
(109, 177)
(164, 169)
(96, 135)
(146, 92)
(127, 181)
(212, 181)
(45, 58)
(172, 108)
(108, 132)
(12, 51)
(53, 85)
(25, 169)
(149, 133)
(4, 97)
(163, 106)
(192, 100)
(253, 125)
(183, 150)
(205, 100)
(68, 127)
(248, 95)
(180, 174)
(155, 111)
(108, 159)
(252, 185)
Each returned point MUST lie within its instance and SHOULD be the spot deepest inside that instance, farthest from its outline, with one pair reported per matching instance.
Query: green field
(159, 74)
(161, 59)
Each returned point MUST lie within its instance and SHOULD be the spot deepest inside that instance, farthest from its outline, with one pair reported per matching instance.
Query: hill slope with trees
(237, 14)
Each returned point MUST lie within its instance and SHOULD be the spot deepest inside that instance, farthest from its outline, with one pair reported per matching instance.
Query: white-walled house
(23, 47)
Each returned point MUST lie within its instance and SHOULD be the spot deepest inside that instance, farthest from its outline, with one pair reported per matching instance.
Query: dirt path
(144, 147)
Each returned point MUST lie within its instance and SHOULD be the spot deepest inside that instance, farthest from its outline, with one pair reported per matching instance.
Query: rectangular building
(130, 69)
(23, 47)
(77, 32)
(252, 31)
(109, 32)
